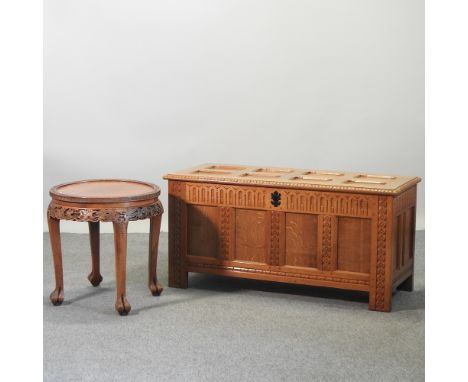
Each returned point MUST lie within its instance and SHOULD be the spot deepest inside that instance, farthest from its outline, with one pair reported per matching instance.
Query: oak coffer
(326, 228)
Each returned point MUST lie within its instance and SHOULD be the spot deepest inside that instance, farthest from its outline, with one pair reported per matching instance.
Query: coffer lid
(312, 179)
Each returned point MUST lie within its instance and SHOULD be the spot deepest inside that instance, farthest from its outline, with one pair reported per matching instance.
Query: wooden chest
(325, 228)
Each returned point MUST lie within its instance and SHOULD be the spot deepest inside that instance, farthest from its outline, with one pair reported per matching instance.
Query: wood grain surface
(116, 201)
(358, 238)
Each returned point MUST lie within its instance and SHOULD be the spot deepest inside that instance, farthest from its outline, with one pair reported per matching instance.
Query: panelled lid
(296, 178)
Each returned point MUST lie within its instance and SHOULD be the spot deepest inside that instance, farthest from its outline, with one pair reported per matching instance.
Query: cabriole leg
(120, 240)
(94, 277)
(57, 296)
(155, 225)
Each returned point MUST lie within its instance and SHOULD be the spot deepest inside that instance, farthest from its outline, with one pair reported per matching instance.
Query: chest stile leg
(155, 226)
(178, 275)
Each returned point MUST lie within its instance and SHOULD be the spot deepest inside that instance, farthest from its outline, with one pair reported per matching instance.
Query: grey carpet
(222, 328)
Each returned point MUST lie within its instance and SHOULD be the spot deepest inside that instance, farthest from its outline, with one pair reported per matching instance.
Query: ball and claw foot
(95, 280)
(156, 288)
(122, 306)
(56, 297)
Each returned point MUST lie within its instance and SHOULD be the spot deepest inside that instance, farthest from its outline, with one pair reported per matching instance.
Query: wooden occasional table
(110, 200)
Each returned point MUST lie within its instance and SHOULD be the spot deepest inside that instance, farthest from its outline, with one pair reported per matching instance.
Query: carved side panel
(403, 242)
(403, 232)
(401, 239)
(410, 234)
(396, 239)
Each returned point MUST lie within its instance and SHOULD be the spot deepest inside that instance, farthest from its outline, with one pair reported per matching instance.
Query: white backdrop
(135, 89)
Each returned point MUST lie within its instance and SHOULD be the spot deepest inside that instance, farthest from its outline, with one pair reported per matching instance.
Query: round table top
(105, 191)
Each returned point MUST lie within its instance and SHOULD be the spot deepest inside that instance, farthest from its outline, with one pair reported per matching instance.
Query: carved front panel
(302, 229)
(251, 236)
(354, 245)
(301, 240)
(307, 232)
(203, 236)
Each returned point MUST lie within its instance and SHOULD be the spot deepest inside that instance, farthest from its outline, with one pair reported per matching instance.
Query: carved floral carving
(326, 243)
(275, 238)
(118, 215)
(381, 253)
(225, 225)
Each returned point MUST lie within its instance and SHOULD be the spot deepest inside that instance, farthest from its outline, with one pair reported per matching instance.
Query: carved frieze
(292, 200)
(118, 215)
(225, 195)
(327, 203)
